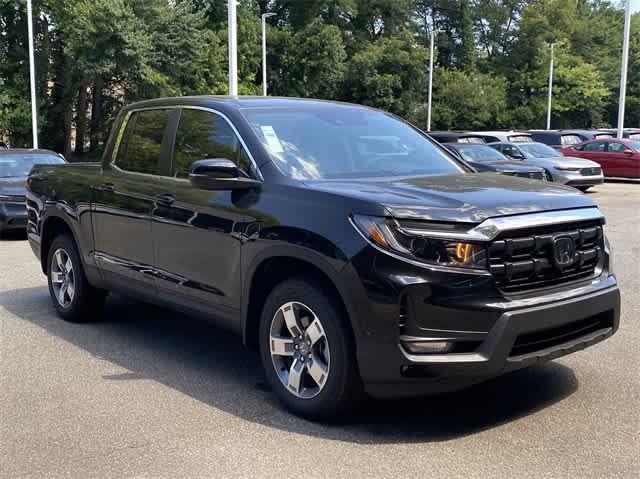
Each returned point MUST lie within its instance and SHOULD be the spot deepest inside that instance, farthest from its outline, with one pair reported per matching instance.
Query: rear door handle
(166, 199)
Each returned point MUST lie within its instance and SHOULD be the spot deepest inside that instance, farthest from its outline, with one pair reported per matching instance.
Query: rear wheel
(306, 350)
(73, 297)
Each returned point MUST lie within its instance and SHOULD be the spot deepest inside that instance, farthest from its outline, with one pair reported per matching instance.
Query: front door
(198, 237)
(122, 204)
(596, 151)
(621, 159)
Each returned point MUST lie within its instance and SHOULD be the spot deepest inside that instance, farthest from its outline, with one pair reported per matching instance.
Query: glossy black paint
(161, 239)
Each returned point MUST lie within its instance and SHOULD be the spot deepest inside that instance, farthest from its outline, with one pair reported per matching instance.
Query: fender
(78, 221)
(336, 270)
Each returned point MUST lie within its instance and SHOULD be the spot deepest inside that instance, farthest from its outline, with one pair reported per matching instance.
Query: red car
(617, 157)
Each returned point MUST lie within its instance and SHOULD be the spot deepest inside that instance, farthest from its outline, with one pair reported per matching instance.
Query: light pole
(550, 88)
(431, 47)
(264, 17)
(623, 69)
(233, 49)
(32, 76)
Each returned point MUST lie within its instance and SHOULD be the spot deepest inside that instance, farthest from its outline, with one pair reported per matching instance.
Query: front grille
(524, 260)
(591, 171)
(13, 198)
(547, 338)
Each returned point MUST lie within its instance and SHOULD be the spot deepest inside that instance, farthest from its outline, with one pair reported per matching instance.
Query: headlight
(608, 249)
(567, 168)
(389, 235)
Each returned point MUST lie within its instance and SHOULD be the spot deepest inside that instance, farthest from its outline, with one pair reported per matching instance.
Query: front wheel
(73, 297)
(306, 350)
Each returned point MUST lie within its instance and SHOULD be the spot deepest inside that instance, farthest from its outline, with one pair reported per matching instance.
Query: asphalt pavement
(152, 393)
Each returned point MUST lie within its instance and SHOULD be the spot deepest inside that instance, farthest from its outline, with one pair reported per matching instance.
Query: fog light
(428, 347)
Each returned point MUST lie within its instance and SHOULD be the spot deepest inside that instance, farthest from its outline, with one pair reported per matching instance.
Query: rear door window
(616, 147)
(141, 144)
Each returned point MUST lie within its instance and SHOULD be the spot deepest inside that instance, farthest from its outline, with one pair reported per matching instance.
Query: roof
(235, 102)
(25, 151)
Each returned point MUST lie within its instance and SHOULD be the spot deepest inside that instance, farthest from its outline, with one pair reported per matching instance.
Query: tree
(314, 61)
(468, 100)
(390, 74)
(467, 56)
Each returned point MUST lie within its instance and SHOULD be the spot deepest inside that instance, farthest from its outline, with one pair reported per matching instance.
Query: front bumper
(574, 178)
(13, 216)
(498, 333)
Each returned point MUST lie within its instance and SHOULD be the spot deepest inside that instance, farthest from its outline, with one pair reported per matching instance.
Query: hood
(13, 186)
(469, 198)
(569, 161)
(515, 166)
(575, 161)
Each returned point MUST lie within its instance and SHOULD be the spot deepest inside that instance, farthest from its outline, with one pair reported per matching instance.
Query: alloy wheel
(63, 278)
(299, 350)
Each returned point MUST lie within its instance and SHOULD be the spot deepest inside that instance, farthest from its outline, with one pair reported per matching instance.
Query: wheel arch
(270, 269)
(52, 227)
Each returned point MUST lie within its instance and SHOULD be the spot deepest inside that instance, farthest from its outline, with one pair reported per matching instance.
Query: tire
(80, 302)
(331, 358)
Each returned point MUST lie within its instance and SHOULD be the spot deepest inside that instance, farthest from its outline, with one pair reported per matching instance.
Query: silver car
(576, 172)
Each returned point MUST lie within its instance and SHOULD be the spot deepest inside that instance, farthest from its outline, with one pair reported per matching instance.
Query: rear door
(198, 238)
(122, 204)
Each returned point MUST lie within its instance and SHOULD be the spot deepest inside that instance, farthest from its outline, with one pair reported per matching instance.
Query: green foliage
(468, 100)
(389, 74)
(492, 57)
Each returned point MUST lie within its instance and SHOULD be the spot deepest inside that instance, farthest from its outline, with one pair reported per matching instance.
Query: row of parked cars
(579, 158)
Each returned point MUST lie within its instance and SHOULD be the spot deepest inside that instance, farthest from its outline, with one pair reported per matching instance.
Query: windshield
(539, 150)
(634, 144)
(335, 141)
(480, 153)
(20, 166)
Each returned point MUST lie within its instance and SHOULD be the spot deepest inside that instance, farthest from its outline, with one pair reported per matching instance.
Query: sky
(635, 5)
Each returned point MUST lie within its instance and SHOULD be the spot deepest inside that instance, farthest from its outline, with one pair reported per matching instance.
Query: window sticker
(272, 139)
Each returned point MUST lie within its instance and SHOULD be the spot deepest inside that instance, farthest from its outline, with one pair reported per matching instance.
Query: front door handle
(165, 199)
(108, 187)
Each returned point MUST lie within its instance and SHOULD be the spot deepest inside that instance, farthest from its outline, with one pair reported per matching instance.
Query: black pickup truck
(352, 251)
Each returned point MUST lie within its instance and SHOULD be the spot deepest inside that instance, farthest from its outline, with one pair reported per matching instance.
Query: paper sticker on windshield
(272, 139)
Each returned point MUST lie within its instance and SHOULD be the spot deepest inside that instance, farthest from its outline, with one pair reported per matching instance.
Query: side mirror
(629, 152)
(219, 174)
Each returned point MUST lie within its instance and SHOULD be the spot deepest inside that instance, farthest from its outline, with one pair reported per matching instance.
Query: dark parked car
(343, 244)
(628, 133)
(483, 159)
(455, 137)
(618, 158)
(576, 172)
(14, 167)
(561, 138)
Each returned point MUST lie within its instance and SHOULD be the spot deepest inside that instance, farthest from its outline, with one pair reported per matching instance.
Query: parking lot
(151, 393)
